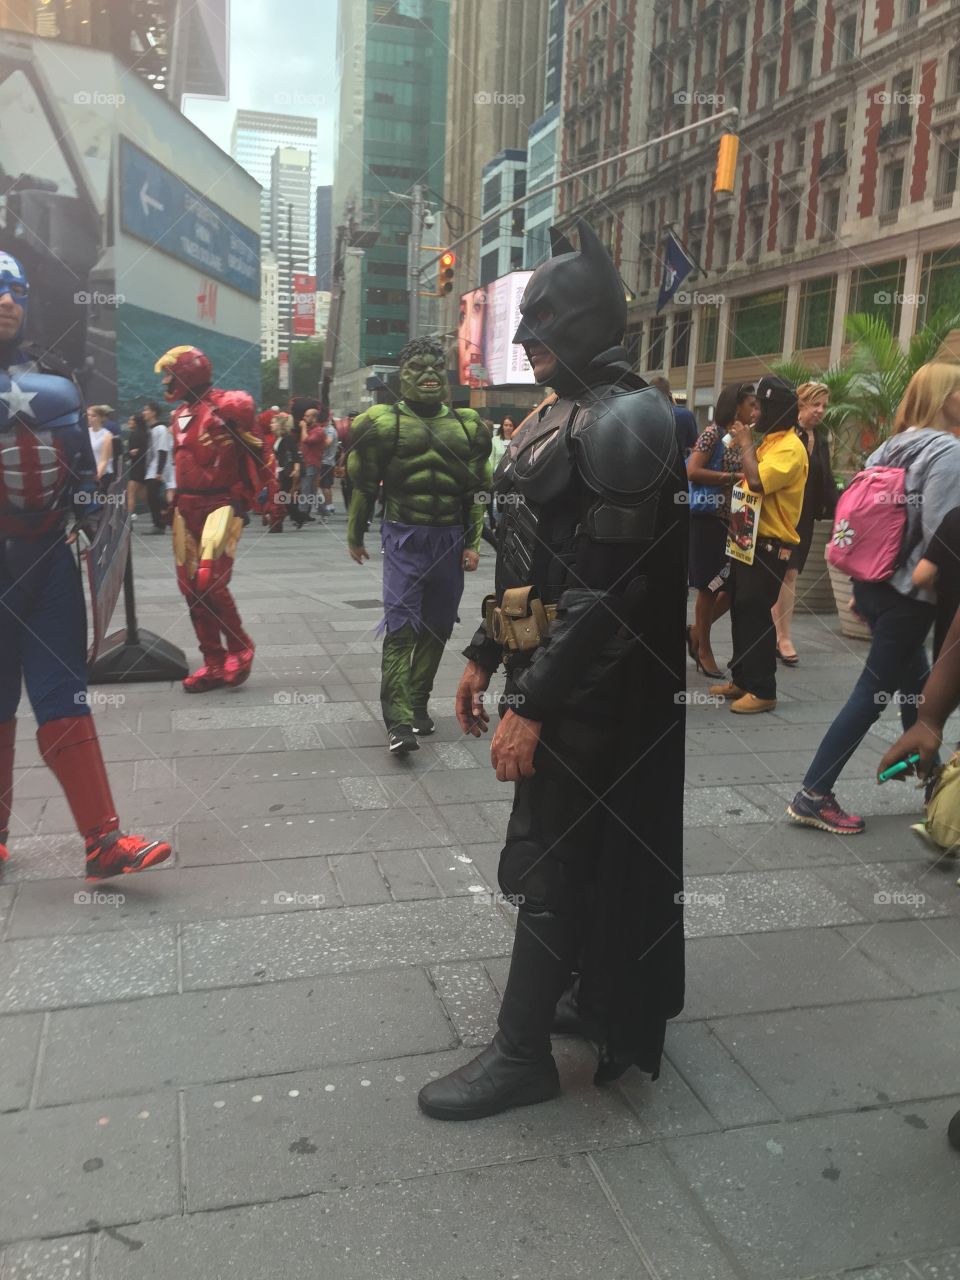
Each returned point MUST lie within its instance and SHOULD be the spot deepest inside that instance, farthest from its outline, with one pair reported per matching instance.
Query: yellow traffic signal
(726, 174)
(448, 261)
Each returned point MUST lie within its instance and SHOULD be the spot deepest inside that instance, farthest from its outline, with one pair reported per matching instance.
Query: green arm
(473, 510)
(364, 467)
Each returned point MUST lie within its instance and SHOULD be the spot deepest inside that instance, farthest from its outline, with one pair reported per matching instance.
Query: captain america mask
(574, 305)
(14, 292)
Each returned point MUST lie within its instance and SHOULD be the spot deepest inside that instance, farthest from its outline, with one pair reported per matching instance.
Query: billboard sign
(162, 209)
(489, 317)
(304, 305)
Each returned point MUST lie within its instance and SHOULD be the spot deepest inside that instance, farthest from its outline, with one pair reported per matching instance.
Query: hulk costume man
(433, 463)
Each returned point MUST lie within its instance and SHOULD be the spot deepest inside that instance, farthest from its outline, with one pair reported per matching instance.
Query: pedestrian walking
(926, 447)
(138, 445)
(159, 451)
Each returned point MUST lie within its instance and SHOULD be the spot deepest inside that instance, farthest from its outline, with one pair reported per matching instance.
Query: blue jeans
(897, 662)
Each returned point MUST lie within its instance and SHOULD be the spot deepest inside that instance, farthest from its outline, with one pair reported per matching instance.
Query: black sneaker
(423, 725)
(403, 740)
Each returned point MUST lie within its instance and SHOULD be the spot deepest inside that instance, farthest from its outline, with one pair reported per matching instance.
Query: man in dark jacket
(588, 619)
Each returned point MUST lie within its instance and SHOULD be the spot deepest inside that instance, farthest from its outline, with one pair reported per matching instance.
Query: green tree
(307, 373)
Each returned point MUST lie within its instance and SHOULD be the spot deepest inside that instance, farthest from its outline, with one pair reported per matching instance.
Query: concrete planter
(814, 590)
(850, 624)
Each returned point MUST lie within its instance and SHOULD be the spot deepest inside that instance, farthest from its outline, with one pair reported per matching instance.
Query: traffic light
(448, 261)
(726, 174)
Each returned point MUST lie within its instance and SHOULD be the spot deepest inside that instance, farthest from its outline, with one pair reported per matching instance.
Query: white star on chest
(17, 400)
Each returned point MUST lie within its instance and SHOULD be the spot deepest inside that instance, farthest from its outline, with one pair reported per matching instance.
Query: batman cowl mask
(574, 304)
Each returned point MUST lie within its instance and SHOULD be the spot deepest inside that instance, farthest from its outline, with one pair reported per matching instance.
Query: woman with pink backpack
(884, 521)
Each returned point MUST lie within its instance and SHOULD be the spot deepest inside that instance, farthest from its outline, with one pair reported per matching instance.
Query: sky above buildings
(282, 58)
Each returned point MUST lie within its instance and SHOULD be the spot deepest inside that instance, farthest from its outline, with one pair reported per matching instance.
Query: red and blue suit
(47, 483)
(220, 464)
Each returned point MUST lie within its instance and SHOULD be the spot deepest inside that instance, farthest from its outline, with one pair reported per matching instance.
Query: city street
(210, 1070)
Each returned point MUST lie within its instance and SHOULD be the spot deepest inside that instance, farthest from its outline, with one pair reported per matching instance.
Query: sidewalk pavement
(210, 1070)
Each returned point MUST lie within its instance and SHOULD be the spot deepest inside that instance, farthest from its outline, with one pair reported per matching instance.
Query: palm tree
(867, 384)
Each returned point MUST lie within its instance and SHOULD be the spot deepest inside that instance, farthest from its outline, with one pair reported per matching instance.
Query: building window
(799, 149)
(735, 93)
(892, 187)
(680, 345)
(709, 329)
(723, 249)
(953, 73)
(710, 54)
(940, 282)
(519, 183)
(577, 42)
(646, 278)
(838, 131)
(632, 341)
(620, 56)
(687, 13)
(831, 212)
(902, 93)
(847, 42)
(655, 352)
(769, 85)
(791, 228)
(682, 76)
(815, 314)
(877, 290)
(756, 324)
(774, 13)
(947, 170)
(911, 8)
(741, 30)
(491, 193)
(754, 238)
(804, 62)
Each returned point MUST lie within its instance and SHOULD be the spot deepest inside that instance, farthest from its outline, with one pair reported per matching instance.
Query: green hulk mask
(423, 375)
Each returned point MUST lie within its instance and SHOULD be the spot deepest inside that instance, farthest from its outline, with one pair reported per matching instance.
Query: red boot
(212, 675)
(8, 733)
(238, 667)
(71, 751)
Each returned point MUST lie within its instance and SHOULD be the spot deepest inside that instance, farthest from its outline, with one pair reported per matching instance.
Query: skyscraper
(392, 93)
(256, 137)
(291, 205)
(324, 249)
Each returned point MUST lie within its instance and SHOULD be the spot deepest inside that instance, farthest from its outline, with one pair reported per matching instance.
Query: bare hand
(472, 715)
(359, 553)
(924, 739)
(742, 434)
(513, 746)
(471, 559)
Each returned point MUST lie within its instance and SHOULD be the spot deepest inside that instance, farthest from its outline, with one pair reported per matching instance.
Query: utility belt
(520, 621)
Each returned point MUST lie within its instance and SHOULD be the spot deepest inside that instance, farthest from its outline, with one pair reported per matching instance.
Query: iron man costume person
(47, 481)
(220, 467)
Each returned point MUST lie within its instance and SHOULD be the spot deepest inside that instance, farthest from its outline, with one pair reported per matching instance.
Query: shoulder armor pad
(626, 444)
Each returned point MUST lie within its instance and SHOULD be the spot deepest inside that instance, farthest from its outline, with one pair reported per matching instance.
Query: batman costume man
(588, 620)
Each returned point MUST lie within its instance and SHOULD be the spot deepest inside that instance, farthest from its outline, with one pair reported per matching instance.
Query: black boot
(517, 1067)
(569, 1019)
(953, 1132)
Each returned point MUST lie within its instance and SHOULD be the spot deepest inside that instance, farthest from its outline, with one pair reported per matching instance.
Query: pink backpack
(869, 525)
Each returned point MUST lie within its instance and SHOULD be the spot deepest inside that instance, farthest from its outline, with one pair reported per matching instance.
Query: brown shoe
(728, 690)
(751, 705)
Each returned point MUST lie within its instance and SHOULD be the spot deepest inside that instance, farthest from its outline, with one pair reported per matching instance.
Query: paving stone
(718, 807)
(925, 954)
(710, 852)
(104, 1162)
(717, 1079)
(462, 787)
(227, 1035)
(471, 1002)
(892, 890)
(302, 836)
(360, 879)
(452, 755)
(48, 908)
(48, 973)
(781, 970)
(664, 1217)
(457, 872)
(280, 714)
(784, 844)
(665, 1107)
(19, 1046)
(407, 876)
(198, 742)
(765, 1188)
(272, 948)
(67, 1258)
(756, 901)
(811, 1061)
(389, 792)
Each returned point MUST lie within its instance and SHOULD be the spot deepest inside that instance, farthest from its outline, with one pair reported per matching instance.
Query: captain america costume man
(47, 482)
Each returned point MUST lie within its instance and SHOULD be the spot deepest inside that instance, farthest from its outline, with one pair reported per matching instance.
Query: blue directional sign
(159, 207)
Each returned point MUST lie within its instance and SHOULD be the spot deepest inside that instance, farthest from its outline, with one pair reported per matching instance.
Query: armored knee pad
(530, 877)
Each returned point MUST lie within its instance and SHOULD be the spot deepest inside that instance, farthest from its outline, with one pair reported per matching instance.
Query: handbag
(943, 808)
(708, 499)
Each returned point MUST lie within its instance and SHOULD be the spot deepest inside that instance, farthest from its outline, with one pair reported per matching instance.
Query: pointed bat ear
(559, 243)
(590, 245)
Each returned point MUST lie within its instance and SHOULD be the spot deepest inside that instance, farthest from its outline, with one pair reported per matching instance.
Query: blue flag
(677, 265)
